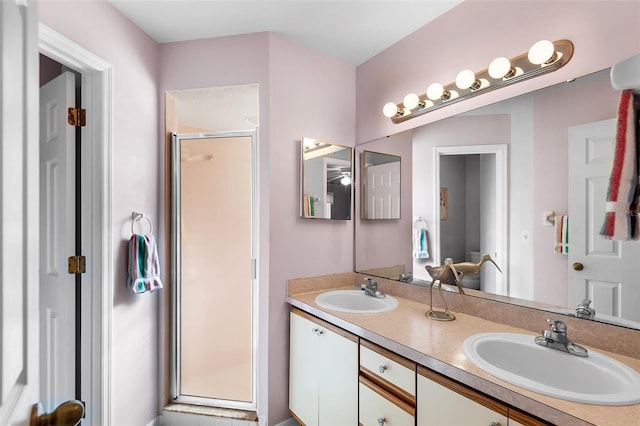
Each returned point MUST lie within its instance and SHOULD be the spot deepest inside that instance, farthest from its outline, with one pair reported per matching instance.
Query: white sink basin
(517, 359)
(355, 301)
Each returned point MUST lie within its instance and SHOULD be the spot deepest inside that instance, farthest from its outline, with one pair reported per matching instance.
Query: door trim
(96, 208)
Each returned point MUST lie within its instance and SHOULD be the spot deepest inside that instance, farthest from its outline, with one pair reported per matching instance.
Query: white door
(57, 242)
(611, 269)
(383, 191)
(18, 211)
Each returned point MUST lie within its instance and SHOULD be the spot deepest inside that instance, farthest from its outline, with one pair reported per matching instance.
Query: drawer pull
(382, 368)
(317, 331)
(382, 421)
(494, 424)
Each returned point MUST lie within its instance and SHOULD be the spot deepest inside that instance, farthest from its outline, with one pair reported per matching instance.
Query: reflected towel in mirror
(621, 216)
(420, 245)
(561, 234)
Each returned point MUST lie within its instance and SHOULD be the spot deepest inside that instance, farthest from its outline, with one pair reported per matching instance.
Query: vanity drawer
(380, 408)
(380, 364)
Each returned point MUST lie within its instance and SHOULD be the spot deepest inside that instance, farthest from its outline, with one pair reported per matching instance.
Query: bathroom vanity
(400, 368)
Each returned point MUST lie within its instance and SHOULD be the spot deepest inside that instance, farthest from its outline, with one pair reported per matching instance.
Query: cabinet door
(323, 373)
(337, 369)
(440, 406)
(303, 373)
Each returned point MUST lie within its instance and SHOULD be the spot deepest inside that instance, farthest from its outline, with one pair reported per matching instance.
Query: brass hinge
(77, 117)
(77, 264)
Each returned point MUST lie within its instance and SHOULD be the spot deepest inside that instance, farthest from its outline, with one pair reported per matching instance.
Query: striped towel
(561, 240)
(420, 247)
(144, 265)
(620, 223)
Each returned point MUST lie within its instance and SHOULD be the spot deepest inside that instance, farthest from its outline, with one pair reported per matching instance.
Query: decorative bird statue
(468, 268)
(441, 273)
(460, 270)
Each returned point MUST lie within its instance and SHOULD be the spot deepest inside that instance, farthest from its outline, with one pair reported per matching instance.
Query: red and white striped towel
(561, 238)
(620, 222)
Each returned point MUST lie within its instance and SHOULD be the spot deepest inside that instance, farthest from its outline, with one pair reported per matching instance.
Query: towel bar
(135, 217)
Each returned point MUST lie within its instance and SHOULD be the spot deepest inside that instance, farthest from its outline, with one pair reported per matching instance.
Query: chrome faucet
(556, 338)
(370, 287)
(406, 277)
(583, 310)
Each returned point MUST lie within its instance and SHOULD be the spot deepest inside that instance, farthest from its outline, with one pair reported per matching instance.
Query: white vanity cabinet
(387, 387)
(444, 402)
(323, 372)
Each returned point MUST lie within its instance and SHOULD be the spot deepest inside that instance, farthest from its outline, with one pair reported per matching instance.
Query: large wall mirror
(551, 136)
(380, 185)
(326, 180)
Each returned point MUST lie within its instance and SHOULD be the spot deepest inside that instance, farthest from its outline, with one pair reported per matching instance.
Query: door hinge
(77, 117)
(77, 264)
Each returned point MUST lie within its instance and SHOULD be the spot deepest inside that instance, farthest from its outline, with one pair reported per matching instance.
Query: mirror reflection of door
(380, 185)
(609, 277)
(326, 180)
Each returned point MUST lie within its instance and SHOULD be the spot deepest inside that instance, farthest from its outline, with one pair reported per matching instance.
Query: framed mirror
(326, 171)
(380, 185)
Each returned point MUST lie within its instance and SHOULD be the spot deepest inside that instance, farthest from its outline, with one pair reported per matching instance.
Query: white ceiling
(351, 30)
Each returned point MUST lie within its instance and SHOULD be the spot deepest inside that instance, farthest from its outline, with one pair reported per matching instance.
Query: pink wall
(101, 29)
(474, 33)
(313, 95)
(295, 100)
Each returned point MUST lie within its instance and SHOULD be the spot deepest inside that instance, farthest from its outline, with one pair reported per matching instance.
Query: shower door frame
(175, 362)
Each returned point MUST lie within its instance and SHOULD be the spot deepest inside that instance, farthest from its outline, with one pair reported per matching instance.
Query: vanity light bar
(543, 57)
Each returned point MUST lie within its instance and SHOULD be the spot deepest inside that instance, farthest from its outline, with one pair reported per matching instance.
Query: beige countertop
(438, 345)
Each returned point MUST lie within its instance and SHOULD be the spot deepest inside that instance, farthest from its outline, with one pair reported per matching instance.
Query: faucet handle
(557, 326)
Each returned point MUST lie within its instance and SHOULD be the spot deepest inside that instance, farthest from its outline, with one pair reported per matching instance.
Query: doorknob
(577, 266)
(66, 414)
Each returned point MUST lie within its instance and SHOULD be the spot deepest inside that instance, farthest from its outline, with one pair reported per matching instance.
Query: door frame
(500, 151)
(97, 292)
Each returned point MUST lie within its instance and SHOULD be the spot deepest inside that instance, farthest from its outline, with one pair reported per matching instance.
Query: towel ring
(135, 217)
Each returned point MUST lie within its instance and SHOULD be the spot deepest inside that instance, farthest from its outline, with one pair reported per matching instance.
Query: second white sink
(355, 301)
(517, 359)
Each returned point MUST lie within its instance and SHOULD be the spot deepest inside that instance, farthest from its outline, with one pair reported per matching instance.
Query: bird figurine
(441, 273)
(468, 268)
(438, 274)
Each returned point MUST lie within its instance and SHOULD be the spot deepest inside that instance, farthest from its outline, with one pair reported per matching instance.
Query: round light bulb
(435, 91)
(541, 52)
(390, 109)
(465, 79)
(346, 180)
(411, 101)
(499, 67)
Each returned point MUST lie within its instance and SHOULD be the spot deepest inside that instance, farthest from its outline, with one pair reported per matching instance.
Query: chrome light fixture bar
(543, 57)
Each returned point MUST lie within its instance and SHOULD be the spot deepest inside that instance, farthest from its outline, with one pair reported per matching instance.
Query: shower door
(214, 297)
